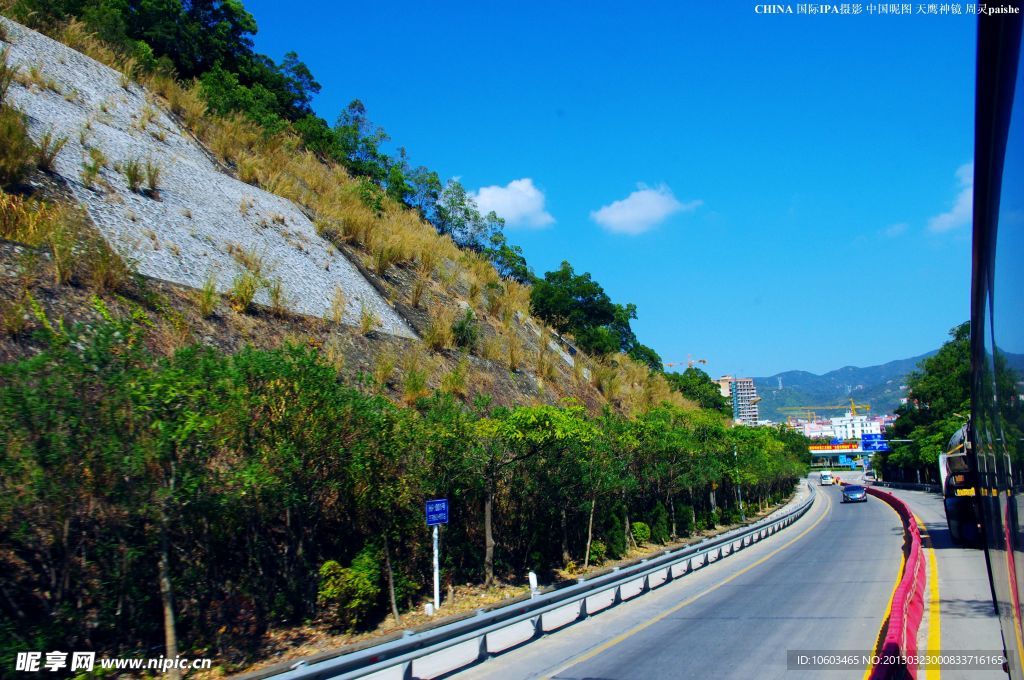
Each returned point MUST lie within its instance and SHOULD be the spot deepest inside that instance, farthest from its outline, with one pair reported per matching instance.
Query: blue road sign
(874, 445)
(437, 512)
(844, 460)
(867, 437)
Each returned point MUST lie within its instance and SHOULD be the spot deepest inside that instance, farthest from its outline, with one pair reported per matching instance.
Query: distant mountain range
(875, 385)
(878, 386)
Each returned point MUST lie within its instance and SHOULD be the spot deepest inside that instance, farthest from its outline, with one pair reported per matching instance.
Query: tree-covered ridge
(576, 304)
(235, 491)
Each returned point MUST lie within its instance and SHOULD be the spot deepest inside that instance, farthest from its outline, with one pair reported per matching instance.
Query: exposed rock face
(201, 215)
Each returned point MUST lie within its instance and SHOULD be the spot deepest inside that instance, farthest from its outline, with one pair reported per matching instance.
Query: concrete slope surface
(823, 584)
(202, 215)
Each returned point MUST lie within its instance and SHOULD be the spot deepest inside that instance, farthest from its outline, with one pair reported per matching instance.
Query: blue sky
(773, 192)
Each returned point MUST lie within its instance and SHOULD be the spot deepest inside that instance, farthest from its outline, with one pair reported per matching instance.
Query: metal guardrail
(447, 648)
(910, 486)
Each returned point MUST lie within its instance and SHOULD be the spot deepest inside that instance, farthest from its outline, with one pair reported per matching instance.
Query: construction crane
(810, 410)
(690, 361)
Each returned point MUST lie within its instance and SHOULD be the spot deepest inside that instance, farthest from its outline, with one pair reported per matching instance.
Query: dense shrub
(350, 594)
(615, 535)
(731, 516)
(465, 330)
(660, 530)
(684, 520)
(266, 474)
(641, 532)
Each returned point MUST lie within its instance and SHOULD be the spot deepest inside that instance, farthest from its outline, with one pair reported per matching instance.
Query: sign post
(437, 514)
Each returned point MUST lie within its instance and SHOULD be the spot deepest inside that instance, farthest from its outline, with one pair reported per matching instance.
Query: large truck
(959, 492)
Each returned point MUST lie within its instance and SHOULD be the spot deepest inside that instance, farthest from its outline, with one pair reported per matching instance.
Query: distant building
(845, 427)
(854, 427)
(743, 394)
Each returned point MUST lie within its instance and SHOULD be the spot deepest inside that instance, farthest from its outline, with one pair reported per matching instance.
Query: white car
(827, 479)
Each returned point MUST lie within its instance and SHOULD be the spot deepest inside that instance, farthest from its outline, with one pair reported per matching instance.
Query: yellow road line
(934, 643)
(888, 610)
(668, 612)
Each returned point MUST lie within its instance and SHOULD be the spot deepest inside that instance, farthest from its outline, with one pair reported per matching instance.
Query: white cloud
(894, 230)
(519, 203)
(960, 214)
(641, 211)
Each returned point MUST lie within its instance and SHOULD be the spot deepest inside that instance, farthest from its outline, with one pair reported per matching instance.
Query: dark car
(854, 493)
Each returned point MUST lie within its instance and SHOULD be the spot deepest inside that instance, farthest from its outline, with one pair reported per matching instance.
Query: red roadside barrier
(899, 637)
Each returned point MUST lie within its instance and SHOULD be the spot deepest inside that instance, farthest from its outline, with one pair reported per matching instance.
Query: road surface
(966, 619)
(823, 584)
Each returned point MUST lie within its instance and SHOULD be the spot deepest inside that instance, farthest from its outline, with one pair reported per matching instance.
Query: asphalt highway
(821, 586)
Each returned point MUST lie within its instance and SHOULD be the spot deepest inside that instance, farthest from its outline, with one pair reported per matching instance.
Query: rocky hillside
(198, 222)
(236, 237)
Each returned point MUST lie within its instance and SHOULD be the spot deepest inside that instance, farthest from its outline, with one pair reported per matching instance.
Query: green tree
(358, 143)
(938, 405)
(698, 386)
(508, 259)
(458, 216)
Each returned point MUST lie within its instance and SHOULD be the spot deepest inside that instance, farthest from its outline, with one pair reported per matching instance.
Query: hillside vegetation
(939, 404)
(188, 466)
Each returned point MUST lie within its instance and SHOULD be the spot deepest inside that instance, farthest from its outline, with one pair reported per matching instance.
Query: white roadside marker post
(437, 514)
(437, 574)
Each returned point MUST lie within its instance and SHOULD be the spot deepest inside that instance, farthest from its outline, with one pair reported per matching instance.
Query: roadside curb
(898, 640)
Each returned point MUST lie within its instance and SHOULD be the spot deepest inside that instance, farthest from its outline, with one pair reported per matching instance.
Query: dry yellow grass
(580, 368)
(419, 290)
(438, 334)
(368, 320)
(338, 304)
(16, 314)
(455, 381)
(334, 351)
(491, 348)
(74, 251)
(384, 367)
(49, 147)
(77, 36)
(545, 367)
(514, 351)
(248, 258)
(416, 367)
(207, 297)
